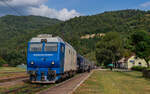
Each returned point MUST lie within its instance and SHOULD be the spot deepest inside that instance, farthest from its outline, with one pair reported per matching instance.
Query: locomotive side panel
(70, 59)
(67, 59)
(75, 60)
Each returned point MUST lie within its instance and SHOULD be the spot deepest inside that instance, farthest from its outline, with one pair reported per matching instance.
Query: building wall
(134, 61)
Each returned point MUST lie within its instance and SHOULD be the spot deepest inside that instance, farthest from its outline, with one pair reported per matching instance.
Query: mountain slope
(13, 26)
(124, 21)
(15, 33)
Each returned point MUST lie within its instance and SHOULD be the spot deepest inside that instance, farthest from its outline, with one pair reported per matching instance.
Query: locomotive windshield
(50, 47)
(36, 47)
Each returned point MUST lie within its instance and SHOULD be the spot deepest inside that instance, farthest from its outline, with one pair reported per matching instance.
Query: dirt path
(68, 86)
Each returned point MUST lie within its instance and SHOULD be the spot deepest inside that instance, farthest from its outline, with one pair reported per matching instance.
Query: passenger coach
(50, 59)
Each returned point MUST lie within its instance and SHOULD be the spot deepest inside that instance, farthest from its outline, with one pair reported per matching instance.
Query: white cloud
(26, 3)
(146, 4)
(63, 14)
(37, 7)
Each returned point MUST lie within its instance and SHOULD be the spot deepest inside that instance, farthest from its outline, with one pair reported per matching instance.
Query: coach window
(50, 47)
(62, 48)
(36, 47)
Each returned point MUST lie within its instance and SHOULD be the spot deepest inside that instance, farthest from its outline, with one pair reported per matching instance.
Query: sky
(67, 9)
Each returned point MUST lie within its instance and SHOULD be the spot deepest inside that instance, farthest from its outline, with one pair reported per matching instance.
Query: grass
(107, 82)
(8, 72)
(11, 69)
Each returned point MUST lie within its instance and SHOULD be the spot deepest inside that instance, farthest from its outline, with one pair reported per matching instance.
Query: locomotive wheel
(60, 80)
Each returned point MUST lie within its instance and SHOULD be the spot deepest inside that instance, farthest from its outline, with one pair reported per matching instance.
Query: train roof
(69, 45)
(49, 38)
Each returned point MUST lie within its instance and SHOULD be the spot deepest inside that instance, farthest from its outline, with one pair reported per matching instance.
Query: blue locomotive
(50, 59)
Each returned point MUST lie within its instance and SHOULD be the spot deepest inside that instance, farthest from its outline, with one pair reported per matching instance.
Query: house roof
(122, 60)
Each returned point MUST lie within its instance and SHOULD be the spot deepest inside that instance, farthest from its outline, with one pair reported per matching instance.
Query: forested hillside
(15, 31)
(12, 30)
(13, 26)
(124, 21)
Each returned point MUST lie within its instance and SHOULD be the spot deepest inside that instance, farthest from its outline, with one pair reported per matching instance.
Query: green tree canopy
(141, 42)
(2, 61)
(109, 49)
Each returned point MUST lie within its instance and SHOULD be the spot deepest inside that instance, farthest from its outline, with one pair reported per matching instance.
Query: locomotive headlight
(53, 63)
(32, 63)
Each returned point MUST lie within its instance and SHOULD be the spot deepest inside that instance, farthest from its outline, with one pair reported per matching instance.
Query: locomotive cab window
(36, 47)
(50, 47)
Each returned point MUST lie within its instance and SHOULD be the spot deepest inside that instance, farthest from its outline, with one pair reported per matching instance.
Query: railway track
(13, 82)
(26, 89)
(25, 86)
(11, 72)
(65, 87)
(12, 79)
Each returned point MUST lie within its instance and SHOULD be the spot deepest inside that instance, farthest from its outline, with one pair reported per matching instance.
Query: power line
(12, 8)
(5, 2)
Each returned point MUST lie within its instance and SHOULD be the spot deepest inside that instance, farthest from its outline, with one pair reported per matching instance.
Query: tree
(109, 49)
(2, 61)
(141, 42)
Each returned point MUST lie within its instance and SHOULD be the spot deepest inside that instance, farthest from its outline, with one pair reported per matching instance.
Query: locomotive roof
(69, 45)
(51, 39)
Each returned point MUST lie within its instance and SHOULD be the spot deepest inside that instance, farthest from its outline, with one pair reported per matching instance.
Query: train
(83, 64)
(51, 59)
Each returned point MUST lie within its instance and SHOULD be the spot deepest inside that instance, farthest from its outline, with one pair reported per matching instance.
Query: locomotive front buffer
(42, 77)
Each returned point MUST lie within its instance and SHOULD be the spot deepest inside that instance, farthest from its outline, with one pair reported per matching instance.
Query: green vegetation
(114, 46)
(138, 68)
(2, 61)
(107, 82)
(14, 26)
(16, 31)
(109, 49)
(141, 41)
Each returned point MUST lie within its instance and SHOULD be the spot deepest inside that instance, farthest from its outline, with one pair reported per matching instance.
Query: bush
(146, 73)
(148, 69)
(2, 61)
(138, 68)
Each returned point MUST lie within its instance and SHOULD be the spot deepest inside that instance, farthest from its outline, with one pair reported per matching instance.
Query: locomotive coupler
(51, 75)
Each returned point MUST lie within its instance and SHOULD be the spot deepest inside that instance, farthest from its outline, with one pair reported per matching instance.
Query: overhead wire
(12, 8)
(20, 14)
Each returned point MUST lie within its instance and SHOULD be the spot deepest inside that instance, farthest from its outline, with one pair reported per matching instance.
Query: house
(128, 63)
(122, 63)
